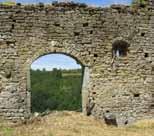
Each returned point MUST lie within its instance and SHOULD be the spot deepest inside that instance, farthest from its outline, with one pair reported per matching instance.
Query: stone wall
(119, 85)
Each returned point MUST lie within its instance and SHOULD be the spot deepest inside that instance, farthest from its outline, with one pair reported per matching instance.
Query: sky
(58, 60)
(90, 2)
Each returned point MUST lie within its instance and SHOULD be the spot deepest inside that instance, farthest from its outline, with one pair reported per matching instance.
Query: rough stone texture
(121, 86)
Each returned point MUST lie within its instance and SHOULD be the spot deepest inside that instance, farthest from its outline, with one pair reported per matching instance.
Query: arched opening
(120, 48)
(56, 83)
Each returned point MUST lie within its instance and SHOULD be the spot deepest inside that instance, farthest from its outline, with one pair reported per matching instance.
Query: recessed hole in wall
(142, 5)
(119, 11)
(91, 32)
(107, 111)
(12, 26)
(137, 95)
(8, 74)
(10, 42)
(142, 34)
(152, 106)
(120, 48)
(85, 24)
(103, 21)
(111, 120)
(95, 55)
(76, 33)
(94, 92)
(56, 24)
(126, 122)
(146, 55)
(14, 20)
(116, 22)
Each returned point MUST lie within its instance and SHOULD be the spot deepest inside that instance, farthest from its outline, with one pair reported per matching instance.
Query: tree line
(50, 90)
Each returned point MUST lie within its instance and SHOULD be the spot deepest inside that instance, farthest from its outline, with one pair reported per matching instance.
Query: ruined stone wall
(121, 86)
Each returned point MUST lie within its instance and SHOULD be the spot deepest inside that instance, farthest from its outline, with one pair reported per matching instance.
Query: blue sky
(51, 61)
(58, 60)
(90, 2)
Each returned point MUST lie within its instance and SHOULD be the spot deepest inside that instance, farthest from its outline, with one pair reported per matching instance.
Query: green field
(56, 90)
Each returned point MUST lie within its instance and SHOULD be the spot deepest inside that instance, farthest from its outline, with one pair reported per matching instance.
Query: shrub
(140, 3)
(9, 2)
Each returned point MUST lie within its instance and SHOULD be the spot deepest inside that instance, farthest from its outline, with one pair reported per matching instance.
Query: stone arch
(79, 61)
(73, 55)
(120, 47)
(57, 47)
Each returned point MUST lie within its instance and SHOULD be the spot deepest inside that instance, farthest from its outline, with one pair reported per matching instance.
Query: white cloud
(121, 1)
(55, 61)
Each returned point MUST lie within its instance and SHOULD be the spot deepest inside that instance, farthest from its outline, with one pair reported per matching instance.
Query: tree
(54, 91)
(44, 70)
(57, 74)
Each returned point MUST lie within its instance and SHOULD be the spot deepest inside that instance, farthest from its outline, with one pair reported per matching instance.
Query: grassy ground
(74, 124)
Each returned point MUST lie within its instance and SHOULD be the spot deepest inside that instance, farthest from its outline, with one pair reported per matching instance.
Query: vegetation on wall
(9, 2)
(56, 90)
(140, 3)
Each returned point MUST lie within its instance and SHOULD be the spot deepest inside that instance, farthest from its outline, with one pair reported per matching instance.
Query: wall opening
(146, 55)
(120, 48)
(56, 83)
(136, 95)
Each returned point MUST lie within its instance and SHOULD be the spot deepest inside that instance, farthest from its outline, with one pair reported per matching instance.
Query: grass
(75, 124)
(8, 3)
(6, 131)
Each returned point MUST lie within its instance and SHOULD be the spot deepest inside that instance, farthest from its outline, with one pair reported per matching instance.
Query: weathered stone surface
(110, 119)
(124, 85)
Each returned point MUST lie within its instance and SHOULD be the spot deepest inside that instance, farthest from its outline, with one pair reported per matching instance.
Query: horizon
(58, 61)
(50, 70)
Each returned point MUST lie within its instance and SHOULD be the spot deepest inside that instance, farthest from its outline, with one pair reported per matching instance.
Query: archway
(56, 83)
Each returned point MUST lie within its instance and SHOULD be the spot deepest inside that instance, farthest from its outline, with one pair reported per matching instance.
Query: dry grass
(75, 124)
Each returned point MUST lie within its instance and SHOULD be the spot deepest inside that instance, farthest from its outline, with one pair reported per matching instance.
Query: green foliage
(56, 90)
(141, 3)
(7, 131)
(9, 2)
